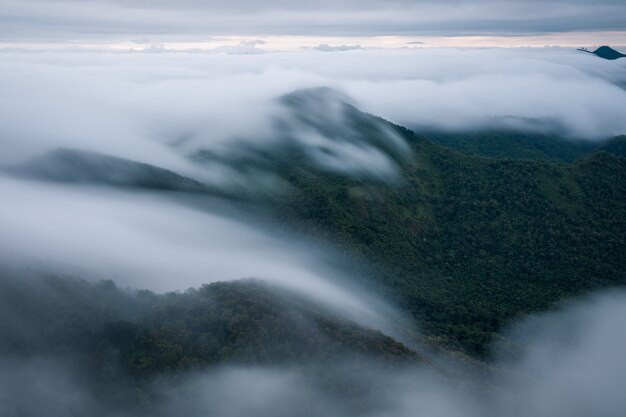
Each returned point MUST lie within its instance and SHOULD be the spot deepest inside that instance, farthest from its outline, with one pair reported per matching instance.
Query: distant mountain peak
(605, 52)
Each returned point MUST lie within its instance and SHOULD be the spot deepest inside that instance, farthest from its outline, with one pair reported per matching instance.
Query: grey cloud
(30, 19)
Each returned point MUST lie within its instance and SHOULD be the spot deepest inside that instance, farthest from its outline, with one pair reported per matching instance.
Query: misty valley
(338, 230)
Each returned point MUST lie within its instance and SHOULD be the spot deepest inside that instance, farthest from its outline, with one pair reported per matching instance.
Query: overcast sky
(24, 21)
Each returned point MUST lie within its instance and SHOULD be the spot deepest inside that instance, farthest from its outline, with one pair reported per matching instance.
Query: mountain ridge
(465, 243)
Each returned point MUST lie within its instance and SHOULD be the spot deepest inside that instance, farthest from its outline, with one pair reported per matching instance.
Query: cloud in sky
(324, 47)
(105, 19)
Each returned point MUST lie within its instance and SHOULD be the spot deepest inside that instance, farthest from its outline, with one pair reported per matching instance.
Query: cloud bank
(139, 105)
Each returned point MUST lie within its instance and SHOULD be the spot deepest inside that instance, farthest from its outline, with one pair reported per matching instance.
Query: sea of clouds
(159, 106)
(136, 104)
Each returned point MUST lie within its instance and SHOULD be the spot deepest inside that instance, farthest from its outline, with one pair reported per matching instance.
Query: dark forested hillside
(516, 144)
(470, 243)
(126, 338)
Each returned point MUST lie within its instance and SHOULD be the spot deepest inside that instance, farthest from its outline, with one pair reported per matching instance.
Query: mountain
(129, 339)
(465, 243)
(469, 243)
(77, 166)
(605, 52)
(316, 130)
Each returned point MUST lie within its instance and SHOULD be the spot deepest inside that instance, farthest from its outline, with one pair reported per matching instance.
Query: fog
(158, 107)
(568, 363)
(150, 241)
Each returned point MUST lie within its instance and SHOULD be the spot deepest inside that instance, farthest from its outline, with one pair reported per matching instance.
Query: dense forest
(128, 338)
(469, 243)
(514, 144)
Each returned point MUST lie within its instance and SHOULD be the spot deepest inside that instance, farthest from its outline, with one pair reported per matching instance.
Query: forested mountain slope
(514, 144)
(472, 242)
(469, 243)
(127, 339)
(523, 145)
(465, 243)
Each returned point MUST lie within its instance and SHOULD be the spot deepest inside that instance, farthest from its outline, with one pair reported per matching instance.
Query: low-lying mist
(158, 107)
(168, 242)
(566, 363)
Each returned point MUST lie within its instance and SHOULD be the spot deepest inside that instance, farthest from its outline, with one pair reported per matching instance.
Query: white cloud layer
(137, 104)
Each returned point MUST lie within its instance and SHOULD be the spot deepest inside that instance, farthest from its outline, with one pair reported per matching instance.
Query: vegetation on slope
(514, 144)
(123, 340)
(470, 243)
(466, 243)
